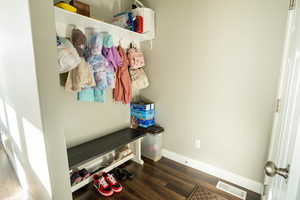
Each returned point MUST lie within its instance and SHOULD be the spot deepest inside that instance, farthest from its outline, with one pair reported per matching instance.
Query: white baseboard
(211, 170)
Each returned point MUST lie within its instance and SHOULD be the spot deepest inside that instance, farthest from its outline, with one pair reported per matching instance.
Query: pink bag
(136, 58)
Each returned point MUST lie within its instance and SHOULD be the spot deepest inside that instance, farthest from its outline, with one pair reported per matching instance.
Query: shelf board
(80, 21)
(107, 169)
(88, 151)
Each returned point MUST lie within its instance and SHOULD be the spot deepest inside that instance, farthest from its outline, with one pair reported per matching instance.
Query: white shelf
(65, 17)
(107, 169)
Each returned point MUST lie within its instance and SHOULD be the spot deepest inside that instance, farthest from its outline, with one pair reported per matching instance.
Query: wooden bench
(88, 153)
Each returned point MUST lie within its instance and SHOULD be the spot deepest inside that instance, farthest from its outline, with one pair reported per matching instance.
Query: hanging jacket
(91, 95)
(95, 44)
(112, 56)
(80, 77)
(104, 73)
(79, 41)
(114, 61)
(99, 67)
(122, 92)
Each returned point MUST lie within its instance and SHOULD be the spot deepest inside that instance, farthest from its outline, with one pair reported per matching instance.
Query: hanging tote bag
(139, 79)
(136, 58)
(68, 57)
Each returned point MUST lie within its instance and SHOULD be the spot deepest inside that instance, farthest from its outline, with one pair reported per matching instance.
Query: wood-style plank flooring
(163, 180)
(10, 188)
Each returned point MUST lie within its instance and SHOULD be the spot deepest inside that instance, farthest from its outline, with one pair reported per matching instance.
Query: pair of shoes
(107, 184)
(84, 173)
(122, 174)
(78, 176)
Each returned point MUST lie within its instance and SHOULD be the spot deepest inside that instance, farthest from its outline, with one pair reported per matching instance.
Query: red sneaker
(102, 186)
(116, 187)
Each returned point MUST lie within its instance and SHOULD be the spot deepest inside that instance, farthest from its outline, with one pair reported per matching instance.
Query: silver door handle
(271, 170)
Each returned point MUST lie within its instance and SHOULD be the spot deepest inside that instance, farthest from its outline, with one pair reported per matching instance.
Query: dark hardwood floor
(163, 180)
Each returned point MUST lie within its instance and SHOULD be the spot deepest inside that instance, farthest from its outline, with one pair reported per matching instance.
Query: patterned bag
(68, 57)
(136, 58)
(139, 79)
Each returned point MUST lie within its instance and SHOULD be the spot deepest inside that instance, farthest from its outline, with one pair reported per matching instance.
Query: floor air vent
(232, 190)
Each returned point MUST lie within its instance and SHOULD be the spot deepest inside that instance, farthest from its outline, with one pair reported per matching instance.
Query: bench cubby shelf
(88, 153)
(107, 169)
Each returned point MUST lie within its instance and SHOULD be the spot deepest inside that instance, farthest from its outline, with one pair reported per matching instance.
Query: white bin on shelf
(149, 20)
(152, 146)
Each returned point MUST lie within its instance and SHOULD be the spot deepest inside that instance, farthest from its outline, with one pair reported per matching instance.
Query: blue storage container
(142, 114)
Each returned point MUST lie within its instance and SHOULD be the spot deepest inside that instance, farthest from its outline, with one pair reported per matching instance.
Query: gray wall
(29, 111)
(30, 85)
(213, 70)
(84, 121)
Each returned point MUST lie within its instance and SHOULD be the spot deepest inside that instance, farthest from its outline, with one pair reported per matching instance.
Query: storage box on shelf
(148, 16)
